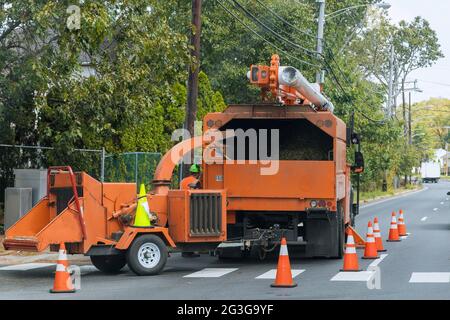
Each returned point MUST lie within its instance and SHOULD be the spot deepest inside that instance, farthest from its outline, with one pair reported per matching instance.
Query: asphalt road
(424, 256)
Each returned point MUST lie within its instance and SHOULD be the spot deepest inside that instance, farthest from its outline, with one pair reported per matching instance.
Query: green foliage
(119, 81)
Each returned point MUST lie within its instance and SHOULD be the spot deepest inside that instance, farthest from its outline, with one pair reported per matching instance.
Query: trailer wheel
(147, 255)
(109, 264)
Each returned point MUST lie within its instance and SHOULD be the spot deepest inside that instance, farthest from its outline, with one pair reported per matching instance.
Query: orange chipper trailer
(238, 210)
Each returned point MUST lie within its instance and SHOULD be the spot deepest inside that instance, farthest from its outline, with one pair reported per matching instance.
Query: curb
(47, 257)
(390, 197)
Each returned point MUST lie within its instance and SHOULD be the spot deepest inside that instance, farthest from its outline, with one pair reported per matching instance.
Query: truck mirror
(359, 163)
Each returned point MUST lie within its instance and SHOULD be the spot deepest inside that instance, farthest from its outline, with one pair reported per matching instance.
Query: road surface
(416, 268)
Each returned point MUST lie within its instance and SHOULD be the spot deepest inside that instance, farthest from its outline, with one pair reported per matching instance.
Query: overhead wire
(255, 19)
(284, 20)
(265, 40)
(309, 52)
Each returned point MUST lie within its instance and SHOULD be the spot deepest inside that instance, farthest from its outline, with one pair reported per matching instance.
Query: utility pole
(410, 120)
(194, 68)
(389, 106)
(405, 129)
(320, 75)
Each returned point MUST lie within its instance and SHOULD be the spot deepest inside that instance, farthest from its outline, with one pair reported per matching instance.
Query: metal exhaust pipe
(291, 77)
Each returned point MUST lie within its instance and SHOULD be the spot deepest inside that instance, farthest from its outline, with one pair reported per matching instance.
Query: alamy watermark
(233, 146)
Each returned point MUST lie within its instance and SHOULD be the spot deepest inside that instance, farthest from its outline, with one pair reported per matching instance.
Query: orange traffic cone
(377, 235)
(370, 251)
(283, 278)
(350, 256)
(393, 231)
(401, 225)
(63, 282)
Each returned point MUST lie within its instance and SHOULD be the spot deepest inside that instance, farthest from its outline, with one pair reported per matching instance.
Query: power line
(436, 83)
(284, 20)
(310, 52)
(265, 40)
(276, 34)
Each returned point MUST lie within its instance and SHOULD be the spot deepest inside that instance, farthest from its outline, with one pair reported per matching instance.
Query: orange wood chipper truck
(239, 209)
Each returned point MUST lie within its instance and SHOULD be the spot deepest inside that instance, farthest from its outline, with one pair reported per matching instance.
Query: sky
(437, 12)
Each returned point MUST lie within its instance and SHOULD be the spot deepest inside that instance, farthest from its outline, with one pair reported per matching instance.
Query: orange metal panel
(31, 223)
(213, 176)
(231, 217)
(64, 228)
(114, 196)
(295, 179)
(178, 216)
(130, 233)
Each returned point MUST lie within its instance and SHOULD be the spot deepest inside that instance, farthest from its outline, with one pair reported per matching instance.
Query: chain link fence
(131, 167)
(136, 167)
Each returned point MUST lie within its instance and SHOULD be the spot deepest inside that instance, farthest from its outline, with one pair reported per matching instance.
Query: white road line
(435, 209)
(424, 219)
(430, 277)
(211, 273)
(442, 203)
(378, 261)
(26, 266)
(271, 274)
(363, 276)
(360, 276)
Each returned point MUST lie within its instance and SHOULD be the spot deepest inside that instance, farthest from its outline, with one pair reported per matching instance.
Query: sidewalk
(20, 257)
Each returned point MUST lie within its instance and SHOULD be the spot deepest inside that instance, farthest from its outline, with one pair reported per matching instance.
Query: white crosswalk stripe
(211, 273)
(363, 276)
(271, 274)
(430, 277)
(26, 266)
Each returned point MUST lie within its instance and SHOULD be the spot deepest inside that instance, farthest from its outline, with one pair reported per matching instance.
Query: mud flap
(322, 234)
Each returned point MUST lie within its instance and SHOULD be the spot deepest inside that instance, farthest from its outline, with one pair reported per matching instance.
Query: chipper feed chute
(59, 216)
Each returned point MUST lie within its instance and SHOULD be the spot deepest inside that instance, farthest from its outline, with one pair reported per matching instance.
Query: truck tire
(109, 264)
(147, 255)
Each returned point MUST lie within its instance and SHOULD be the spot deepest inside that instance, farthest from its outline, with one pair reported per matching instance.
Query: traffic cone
(370, 252)
(393, 231)
(283, 278)
(401, 225)
(377, 235)
(350, 256)
(63, 282)
(360, 243)
(142, 218)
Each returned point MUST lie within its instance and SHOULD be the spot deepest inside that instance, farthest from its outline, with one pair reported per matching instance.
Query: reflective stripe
(394, 226)
(350, 240)
(370, 239)
(350, 250)
(394, 220)
(283, 251)
(60, 268)
(62, 255)
(376, 227)
(377, 235)
(369, 230)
